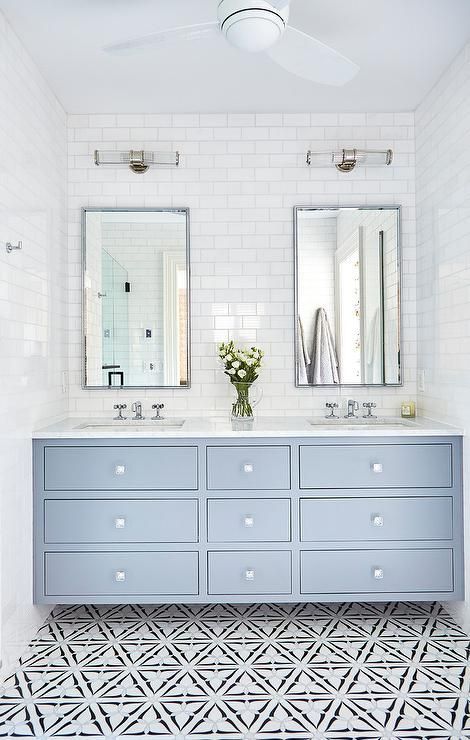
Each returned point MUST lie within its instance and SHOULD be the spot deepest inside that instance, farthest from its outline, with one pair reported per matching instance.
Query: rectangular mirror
(135, 297)
(347, 278)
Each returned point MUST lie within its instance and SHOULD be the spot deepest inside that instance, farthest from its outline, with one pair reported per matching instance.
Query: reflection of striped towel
(325, 364)
(303, 357)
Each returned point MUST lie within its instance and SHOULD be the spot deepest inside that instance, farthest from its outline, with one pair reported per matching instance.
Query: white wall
(32, 314)
(443, 259)
(241, 174)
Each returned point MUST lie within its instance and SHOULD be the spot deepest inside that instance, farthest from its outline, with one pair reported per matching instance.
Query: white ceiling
(402, 47)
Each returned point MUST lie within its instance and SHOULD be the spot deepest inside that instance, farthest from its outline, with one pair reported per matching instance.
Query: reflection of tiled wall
(33, 327)
(94, 304)
(240, 175)
(443, 257)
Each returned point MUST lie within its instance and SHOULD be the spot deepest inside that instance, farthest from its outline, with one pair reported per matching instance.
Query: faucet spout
(353, 406)
(137, 409)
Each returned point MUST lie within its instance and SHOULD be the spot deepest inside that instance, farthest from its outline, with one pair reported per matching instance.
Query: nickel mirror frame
(104, 209)
(334, 207)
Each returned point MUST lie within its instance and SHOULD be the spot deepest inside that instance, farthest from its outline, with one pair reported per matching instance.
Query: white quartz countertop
(102, 428)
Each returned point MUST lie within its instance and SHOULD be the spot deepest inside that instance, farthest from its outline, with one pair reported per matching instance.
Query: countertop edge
(210, 429)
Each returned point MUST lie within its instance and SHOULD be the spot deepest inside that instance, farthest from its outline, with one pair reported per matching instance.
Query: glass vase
(242, 408)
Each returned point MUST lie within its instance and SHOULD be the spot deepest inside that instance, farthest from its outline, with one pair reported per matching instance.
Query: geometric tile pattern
(243, 672)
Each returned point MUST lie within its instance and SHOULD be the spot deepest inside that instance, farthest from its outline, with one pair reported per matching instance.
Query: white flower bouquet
(242, 368)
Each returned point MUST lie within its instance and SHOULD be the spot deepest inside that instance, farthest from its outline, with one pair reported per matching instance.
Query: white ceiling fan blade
(162, 38)
(306, 57)
(279, 4)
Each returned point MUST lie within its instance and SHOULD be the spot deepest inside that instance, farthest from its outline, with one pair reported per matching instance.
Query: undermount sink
(359, 423)
(164, 425)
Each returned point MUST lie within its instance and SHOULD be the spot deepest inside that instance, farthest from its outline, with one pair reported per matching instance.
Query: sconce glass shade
(137, 160)
(345, 160)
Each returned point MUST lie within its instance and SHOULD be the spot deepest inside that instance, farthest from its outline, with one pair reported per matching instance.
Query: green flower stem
(242, 407)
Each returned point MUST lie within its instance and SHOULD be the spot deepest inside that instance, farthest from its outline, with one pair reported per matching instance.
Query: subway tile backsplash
(241, 175)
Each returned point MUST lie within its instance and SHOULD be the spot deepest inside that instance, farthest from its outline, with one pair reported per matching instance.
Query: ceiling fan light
(254, 28)
(255, 33)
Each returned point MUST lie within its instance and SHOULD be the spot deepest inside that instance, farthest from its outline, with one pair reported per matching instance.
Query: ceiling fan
(259, 26)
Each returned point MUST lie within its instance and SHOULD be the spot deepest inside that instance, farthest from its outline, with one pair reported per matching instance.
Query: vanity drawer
(96, 574)
(250, 467)
(249, 572)
(120, 468)
(348, 519)
(376, 466)
(113, 521)
(248, 520)
(376, 571)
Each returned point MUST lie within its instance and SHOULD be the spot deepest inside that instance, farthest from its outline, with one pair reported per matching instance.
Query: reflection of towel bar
(115, 372)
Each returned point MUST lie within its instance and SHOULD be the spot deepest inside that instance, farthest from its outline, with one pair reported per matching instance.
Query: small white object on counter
(98, 428)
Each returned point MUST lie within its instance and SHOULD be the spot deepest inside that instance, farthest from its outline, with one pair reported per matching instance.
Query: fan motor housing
(252, 26)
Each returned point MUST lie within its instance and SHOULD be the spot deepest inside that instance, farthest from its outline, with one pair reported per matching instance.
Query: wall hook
(10, 247)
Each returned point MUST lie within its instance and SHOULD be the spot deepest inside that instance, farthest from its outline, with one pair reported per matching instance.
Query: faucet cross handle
(369, 406)
(332, 407)
(119, 408)
(137, 409)
(158, 407)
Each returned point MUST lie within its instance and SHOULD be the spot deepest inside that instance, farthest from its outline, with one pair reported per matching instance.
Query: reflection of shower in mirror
(135, 298)
(347, 296)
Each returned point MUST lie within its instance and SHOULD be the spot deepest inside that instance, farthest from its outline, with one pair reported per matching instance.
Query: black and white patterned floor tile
(237, 672)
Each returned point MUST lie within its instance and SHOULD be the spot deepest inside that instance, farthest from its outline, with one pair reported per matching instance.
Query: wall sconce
(345, 160)
(137, 160)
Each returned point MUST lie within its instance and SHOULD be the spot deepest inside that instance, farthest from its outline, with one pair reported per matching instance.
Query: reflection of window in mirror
(183, 330)
(348, 301)
(174, 319)
(347, 296)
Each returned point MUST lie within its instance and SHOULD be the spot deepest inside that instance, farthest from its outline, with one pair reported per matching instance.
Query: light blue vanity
(224, 517)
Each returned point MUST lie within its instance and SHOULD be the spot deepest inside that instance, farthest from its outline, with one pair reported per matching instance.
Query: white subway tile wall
(443, 258)
(33, 308)
(241, 175)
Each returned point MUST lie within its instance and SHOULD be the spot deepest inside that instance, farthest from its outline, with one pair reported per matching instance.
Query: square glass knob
(378, 520)
(248, 521)
(377, 467)
(120, 522)
(378, 573)
(249, 575)
(248, 468)
(119, 470)
(120, 576)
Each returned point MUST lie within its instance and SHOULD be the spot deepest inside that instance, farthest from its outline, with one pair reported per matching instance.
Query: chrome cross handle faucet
(369, 406)
(119, 408)
(137, 409)
(332, 407)
(158, 407)
(353, 406)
